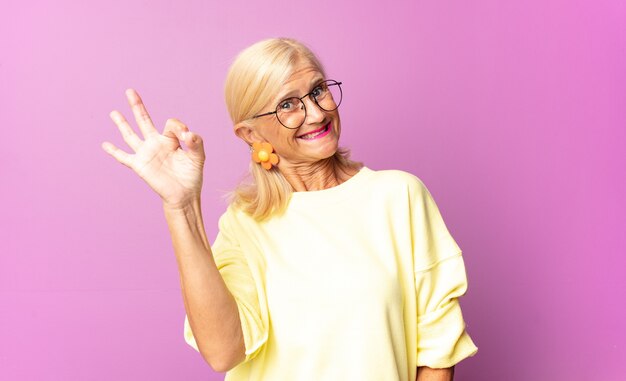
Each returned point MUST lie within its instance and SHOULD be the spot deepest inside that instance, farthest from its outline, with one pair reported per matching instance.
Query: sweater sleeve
(440, 279)
(235, 270)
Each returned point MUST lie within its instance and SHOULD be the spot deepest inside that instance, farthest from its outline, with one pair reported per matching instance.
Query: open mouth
(319, 133)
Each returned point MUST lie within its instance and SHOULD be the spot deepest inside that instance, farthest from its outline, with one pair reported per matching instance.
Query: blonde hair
(251, 83)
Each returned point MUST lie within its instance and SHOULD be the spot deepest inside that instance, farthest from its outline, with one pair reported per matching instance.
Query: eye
(286, 105)
(319, 90)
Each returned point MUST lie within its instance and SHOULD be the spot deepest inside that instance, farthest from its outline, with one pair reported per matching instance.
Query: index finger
(141, 114)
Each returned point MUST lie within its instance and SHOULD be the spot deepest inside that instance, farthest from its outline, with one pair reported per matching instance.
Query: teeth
(311, 136)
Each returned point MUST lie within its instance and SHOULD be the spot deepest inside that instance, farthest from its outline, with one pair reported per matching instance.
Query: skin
(307, 165)
(175, 174)
(428, 374)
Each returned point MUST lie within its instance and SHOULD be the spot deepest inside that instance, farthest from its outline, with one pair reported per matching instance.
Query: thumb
(195, 145)
(174, 128)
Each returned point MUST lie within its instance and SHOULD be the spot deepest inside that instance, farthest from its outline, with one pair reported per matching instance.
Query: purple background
(512, 113)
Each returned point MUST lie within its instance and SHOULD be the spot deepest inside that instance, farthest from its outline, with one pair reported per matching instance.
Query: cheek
(285, 141)
(276, 135)
(337, 125)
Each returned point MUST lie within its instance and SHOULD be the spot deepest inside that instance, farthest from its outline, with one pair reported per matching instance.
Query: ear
(247, 133)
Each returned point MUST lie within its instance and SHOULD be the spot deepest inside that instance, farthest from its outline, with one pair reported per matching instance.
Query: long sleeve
(440, 279)
(235, 270)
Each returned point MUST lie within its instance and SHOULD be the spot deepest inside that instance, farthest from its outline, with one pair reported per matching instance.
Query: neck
(323, 174)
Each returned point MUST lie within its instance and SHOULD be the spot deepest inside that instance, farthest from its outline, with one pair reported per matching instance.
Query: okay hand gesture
(175, 174)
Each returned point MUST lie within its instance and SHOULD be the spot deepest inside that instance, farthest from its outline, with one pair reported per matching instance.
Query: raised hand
(175, 174)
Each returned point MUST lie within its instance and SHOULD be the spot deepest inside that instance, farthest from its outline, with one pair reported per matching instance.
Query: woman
(322, 269)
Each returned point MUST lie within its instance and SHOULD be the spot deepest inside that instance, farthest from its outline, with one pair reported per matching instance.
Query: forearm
(425, 373)
(211, 309)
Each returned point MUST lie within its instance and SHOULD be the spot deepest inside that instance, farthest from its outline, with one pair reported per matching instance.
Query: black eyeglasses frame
(333, 83)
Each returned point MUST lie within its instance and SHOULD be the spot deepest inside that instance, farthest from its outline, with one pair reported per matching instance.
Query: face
(289, 144)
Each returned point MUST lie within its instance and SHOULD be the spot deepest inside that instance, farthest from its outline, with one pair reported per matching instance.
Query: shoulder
(234, 226)
(396, 179)
(234, 216)
(232, 220)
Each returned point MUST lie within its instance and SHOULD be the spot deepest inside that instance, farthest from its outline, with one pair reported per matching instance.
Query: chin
(330, 150)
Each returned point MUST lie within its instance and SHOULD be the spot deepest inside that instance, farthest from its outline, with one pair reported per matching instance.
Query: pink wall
(513, 114)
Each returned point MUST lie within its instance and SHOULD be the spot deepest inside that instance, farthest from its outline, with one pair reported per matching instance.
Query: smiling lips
(316, 133)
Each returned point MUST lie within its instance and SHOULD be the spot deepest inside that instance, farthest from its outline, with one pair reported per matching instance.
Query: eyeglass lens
(291, 112)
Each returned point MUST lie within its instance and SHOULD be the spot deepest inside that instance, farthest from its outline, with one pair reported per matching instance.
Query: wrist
(191, 203)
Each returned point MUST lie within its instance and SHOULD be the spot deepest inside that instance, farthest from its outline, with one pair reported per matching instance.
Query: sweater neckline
(330, 193)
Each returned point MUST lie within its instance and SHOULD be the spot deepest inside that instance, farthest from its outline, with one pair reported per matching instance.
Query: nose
(314, 114)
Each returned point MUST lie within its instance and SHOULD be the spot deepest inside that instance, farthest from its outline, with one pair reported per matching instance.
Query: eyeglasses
(291, 112)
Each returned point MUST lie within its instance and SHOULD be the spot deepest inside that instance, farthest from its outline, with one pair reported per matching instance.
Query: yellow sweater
(355, 282)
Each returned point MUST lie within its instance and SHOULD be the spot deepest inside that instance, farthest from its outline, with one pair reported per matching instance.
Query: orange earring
(262, 153)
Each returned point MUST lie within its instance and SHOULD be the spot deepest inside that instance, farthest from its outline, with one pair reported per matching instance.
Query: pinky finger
(117, 153)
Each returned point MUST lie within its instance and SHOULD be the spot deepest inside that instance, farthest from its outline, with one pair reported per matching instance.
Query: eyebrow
(294, 93)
